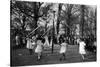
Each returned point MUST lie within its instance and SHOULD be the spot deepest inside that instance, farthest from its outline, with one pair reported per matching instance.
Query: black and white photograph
(45, 33)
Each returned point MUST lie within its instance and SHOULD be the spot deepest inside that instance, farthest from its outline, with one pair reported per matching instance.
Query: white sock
(38, 57)
(82, 57)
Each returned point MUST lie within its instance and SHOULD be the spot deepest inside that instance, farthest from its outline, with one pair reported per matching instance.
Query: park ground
(21, 56)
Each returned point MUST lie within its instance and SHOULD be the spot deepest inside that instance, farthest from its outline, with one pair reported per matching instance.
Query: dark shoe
(38, 59)
(60, 59)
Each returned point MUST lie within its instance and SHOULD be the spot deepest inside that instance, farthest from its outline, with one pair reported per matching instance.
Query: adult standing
(17, 38)
(29, 45)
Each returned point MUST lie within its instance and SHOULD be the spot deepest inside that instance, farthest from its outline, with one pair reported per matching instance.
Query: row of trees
(84, 15)
(27, 16)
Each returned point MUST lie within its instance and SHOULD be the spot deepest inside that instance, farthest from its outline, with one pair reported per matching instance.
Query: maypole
(33, 31)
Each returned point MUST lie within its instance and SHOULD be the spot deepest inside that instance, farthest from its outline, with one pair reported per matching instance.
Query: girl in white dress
(33, 42)
(82, 48)
(63, 50)
(39, 48)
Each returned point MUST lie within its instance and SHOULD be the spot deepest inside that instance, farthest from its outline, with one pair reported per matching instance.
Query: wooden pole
(53, 33)
(33, 31)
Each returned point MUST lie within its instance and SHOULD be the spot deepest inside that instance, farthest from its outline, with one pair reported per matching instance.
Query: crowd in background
(36, 43)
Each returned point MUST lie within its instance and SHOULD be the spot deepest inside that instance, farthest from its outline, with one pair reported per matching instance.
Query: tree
(70, 14)
(87, 20)
(30, 11)
(82, 18)
(58, 19)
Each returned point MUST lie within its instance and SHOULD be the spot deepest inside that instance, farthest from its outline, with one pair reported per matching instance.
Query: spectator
(17, 38)
(29, 45)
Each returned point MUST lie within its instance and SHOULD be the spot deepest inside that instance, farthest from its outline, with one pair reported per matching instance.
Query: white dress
(39, 47)
(17, 40)
(51, 43)
(63, 48)
(95, 44)
(78, 40)
(46, 41)
(82, 48)
(29, 44)
(33, 44)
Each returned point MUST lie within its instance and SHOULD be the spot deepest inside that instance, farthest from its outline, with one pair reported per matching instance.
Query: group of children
(37, 44)
(64, 46)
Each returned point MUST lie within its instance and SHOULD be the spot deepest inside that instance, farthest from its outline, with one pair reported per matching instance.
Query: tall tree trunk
(95, 21)
(82, 20)
(23, 26)
(53, 34)
(58, 19)
(46, 27)
(36, 11)
(68, 19)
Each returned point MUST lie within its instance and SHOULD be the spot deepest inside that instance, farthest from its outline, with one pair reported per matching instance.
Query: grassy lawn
(21, 56)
